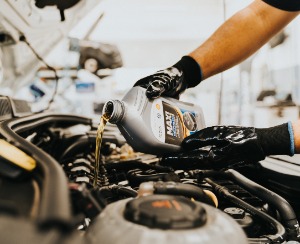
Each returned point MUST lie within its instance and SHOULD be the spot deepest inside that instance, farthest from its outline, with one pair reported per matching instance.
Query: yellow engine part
(17, 157)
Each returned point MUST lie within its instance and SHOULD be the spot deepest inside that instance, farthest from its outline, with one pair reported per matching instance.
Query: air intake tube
(285, 210)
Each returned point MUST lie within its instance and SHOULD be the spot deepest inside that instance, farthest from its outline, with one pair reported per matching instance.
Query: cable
(287, 214)
(280, 233)
(23, 39)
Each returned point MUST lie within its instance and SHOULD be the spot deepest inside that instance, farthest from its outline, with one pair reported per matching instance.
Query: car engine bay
(49, 192)
(137, 198)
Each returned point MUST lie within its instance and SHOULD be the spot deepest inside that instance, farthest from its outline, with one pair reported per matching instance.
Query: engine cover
(215, 227)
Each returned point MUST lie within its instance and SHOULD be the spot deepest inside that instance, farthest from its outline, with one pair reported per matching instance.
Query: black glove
(226, 146)
(174, 80)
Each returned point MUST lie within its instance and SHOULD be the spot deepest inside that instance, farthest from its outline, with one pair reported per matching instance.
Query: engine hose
(191, 191)
(119, 190)
(285, 210)
(201, 174)
(54, 208)
(126, 192)
(280, 235)
(79, 146)
(137, 177)
(84, 142)
(136, 164)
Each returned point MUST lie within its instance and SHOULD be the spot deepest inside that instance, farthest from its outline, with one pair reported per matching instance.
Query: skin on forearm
(296, 131)
(240, 36)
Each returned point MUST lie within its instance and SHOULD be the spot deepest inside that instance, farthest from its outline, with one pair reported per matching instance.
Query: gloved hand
(172, 81)
(225, 146)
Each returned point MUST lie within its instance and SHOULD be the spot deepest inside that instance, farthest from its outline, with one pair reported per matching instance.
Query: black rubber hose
(136, 177)
(54, 209)
(280, 235)
(83, 143)
(119, 190)
(190, 191)
(126, 191)
(201, 174)
(78, 146)
(133, 164)
(285, 210)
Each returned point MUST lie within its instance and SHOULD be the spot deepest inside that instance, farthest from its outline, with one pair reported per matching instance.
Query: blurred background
(101, 48)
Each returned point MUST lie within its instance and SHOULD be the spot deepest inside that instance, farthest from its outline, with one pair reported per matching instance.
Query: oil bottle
(155, 126)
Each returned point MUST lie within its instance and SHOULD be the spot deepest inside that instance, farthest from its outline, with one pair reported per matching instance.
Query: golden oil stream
(103, 120)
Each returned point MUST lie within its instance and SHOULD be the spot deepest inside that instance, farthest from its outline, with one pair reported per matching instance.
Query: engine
(137, 198)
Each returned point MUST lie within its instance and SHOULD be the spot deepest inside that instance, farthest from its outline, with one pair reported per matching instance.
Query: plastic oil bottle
(155, 126)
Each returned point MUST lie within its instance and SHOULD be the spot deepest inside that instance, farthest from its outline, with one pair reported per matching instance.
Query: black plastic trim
(55, 207)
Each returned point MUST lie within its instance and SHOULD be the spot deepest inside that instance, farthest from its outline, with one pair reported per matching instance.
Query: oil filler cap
(165, 212)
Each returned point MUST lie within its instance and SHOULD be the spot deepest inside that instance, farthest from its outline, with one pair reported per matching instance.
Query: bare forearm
(296, 131)
(240, 36)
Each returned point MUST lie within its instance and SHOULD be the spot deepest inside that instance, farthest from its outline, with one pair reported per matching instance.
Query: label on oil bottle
(171, 124)
(140, 101)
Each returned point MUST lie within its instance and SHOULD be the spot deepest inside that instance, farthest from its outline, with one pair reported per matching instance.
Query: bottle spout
(113, 110)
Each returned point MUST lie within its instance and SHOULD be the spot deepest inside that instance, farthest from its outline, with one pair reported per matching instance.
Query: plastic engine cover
(217, 227)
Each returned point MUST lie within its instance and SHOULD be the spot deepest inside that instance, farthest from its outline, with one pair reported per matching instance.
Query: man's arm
(240, 36)
(296, 131)
(234, 41)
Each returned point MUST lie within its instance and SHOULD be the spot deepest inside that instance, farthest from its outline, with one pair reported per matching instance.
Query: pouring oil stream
(103, 121)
